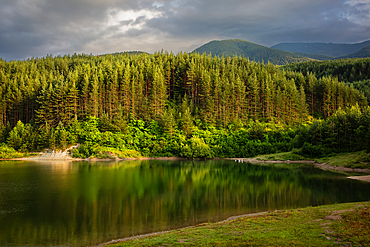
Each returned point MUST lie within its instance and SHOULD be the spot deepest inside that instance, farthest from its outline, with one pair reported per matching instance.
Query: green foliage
(22, 137)
(314, 150)
(186, 105)
(113, 153)
(9, 152)
(196, 148)
(86, 150)
(16, 136)
(346, 70)
(362, 86)
(291, 156)
(345, 131)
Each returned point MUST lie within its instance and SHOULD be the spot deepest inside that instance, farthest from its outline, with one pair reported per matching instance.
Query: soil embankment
(362, 178)
(323, 166)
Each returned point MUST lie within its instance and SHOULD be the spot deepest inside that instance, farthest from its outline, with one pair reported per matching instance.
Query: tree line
(353, 72)
(346, 70)
(144, 101)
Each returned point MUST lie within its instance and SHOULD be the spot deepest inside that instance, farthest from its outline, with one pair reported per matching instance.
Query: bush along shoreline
(345, 131)
(185, 105)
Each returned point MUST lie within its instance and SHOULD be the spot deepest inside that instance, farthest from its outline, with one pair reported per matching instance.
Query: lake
(82, 203)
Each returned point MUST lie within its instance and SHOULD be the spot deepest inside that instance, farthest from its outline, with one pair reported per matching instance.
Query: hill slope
(328, 49)
(314, 56)
(363, 53)
(254, 52)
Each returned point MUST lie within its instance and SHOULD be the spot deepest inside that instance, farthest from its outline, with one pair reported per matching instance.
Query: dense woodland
(346, 70)
(350, 71)
(187, 105)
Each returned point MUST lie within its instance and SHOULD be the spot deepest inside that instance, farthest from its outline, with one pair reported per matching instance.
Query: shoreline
(116, 241)
(361, 178)
(330, 214)
(322, 166)
(33, 158)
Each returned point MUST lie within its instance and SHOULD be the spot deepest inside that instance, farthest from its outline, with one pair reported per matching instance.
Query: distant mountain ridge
(326, 49)
(364, 52)
(314, 56)
(253, 51)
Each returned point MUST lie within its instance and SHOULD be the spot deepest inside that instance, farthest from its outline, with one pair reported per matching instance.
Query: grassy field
(331, 225)
(352, 160)
(359, 159)
(282, 157)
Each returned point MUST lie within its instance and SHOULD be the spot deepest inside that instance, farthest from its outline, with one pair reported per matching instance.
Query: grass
(113, 153)
(354, 223)
(359, 159)
(283, 156)
(352, 160)
(300, 227)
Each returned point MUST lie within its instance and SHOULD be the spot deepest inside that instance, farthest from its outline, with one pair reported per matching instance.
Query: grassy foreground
(331, 225)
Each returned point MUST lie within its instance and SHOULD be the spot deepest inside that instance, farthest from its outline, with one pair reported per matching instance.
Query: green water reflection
(81, 203)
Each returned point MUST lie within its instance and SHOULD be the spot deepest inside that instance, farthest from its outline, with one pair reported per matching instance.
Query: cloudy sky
(58, 27)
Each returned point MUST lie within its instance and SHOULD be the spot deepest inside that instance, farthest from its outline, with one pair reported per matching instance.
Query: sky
(36, 28)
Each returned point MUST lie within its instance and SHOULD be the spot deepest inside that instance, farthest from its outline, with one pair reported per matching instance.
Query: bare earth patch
(362, 178)
(323, 166)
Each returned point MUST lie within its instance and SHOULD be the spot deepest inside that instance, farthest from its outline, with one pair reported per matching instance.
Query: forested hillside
(364, 52)
(163, 104)
(347, 70)
(350, 71)
(254, 52)
(314, 56)
(327, 49)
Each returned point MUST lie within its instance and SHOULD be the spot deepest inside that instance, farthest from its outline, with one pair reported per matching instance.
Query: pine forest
(187, 105)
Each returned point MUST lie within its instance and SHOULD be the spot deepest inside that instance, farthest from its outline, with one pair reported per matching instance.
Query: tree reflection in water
(83, 203)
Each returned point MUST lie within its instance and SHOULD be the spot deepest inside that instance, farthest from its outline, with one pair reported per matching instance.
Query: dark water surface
(82, 204)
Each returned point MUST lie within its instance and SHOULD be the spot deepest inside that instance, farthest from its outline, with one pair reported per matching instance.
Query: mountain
(129, 53)
(328, 49)
(252, 51)
(363, 53)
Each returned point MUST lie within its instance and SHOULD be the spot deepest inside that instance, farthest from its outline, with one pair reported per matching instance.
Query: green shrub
(314, 150)
(197, 148)
(9, 153)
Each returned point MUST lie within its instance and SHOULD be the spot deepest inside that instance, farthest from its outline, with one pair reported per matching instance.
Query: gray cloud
(39, 27)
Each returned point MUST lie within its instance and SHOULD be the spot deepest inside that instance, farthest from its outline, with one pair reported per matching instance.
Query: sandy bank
(362, 178)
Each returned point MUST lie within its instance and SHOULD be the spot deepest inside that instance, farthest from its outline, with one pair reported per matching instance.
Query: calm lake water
(82, 204)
